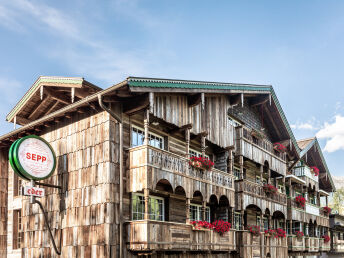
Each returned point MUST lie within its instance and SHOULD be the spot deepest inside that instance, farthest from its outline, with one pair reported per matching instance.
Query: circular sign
(33, 157)
(11, 159)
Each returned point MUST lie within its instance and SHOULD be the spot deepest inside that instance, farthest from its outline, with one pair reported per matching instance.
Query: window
(194, 153)
(196, 212)
(156, 207)
(296, 226)
(280, 188)
(266, 223)
(258, 221)
(236, 173)
(237, 221)
(17, 229)
(138, 136)
(258, 179)
(265, 181)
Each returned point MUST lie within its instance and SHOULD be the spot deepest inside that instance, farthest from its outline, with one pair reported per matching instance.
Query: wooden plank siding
(174, 109)
(3, 201)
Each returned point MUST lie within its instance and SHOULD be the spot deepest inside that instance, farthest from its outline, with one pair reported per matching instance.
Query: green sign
(32, 157)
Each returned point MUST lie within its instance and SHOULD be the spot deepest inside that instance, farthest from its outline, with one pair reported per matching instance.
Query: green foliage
(337, 202)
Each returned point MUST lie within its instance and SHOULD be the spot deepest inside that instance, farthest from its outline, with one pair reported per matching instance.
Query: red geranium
(281, 233)
(201, 162)
(300, 200)
(299, 234)
(326, 238)
(271, 233)
(255, 230)
(327, 210)
(315, 170)
(218, 226)
(268, 188)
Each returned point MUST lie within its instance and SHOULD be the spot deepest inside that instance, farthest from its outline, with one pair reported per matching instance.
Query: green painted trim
(11, 160)
(19, 166)
(36, 85)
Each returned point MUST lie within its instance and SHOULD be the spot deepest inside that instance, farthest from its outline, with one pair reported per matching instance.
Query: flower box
(299, 235)
(201, 163)
(270, 189)
(219, 226)
(300, 200)
(254, 230)
(314, 170)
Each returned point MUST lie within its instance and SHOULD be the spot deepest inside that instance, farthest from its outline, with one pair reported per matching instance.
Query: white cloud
(334, 134)
(303, 126)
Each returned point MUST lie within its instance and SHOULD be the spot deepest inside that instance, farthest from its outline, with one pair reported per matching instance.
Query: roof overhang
(296, 179)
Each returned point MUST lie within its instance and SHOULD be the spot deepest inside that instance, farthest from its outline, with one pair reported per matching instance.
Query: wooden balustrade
(296, 244)
(257, 190)
(162, 236)
(259, 151)
(338, 245)
(312, 244)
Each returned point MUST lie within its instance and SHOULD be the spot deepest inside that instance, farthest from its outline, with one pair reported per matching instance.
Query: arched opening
(164, 186)
(177, 204)
(252, 216)
(278, 219)
(213, 204)
(223, 209)
(197, 209)
(266, 219)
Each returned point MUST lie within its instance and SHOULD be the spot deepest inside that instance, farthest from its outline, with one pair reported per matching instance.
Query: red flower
(218, 226)
(327, 210)
(299, 234)
(281, 233)
(201, 162)
(315, 170)
(300, 200)
(268, 188)
(326, 238)
(255, 230)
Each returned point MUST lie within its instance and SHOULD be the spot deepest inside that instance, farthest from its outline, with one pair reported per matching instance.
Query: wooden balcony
(313, 244)
(259, 151)
(296, 244)
(295, 212)
(260, 246)
(146, 236)
(148, 165)
(306, 175)
(325, 247)
(253, 193)
(338, 245)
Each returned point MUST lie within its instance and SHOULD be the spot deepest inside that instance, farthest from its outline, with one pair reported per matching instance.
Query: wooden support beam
(135, 104)
(37, 109)
(276, 128)
(203, 100)
(72, 94)
(194, 100)
(181, 129)
(52, 107)
(22, 120)
(41, 91)
(242, 99)
(151, 102)
(58, 96)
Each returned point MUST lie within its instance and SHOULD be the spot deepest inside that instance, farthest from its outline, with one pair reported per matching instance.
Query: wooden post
(187, 139)
(270, 221)
(203, 144)
(242, 213)
(284, 191)
(204, 206)
(290, 227)
(290, 189)
(188, 210)
(326, 200)
(261, 174)
(269, 174)
(146, 126)
(146, 197)
(241, 163)
(151, 102)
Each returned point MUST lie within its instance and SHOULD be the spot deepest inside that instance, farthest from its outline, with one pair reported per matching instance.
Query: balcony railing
(296, 244)
(173, 163)
(312, 209)
(313, 244)
(260, 150)
(305, 171)
(147, 236)
(257, 190)
(338, 245)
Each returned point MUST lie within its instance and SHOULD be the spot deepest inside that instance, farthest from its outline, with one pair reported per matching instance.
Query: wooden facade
(146, 201)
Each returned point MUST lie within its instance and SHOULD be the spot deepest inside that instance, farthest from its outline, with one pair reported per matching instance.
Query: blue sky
(297, 46)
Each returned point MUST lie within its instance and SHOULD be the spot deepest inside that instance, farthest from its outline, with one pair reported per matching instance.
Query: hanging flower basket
(270, 189)
(202, 163)
(219, 226)
(299, 235)
(327, 210)
(254, 230)
(326, 238)
(314, 170)
(300, 200)
(257, 134)
(279, 147)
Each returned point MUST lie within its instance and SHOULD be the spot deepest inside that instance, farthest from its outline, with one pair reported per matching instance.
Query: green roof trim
(36, 85)
(166, 83)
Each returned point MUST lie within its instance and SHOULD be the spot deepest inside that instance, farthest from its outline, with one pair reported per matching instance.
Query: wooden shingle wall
(3, 202)
(86, 209)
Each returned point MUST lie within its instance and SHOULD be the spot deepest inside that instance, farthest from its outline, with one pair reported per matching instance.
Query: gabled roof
(307, 145)
(48, 94)
(140, 84)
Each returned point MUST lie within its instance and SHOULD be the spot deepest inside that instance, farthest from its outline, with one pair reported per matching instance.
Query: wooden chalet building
(128, 187)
